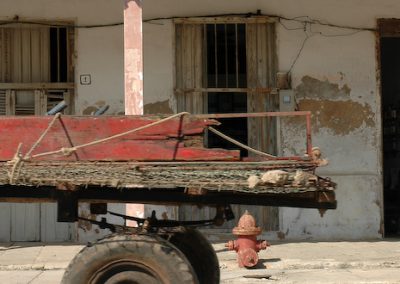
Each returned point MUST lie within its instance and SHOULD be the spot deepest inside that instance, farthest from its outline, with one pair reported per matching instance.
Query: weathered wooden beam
(35, 86)
(165, 196)
(167, 141)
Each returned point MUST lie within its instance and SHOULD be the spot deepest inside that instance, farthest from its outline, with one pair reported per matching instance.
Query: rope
(18, 161)
(67, 151)
(237, 143)
(34, 146)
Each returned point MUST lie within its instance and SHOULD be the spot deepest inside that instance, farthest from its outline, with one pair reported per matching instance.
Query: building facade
(210, 56)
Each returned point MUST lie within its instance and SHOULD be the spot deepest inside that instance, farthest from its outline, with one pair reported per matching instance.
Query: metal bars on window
(211, 56)
(226, 55)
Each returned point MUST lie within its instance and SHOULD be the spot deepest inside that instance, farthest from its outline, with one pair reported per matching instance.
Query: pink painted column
(133, 57)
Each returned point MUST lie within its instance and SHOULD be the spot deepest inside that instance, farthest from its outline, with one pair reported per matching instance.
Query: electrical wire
(307, 27)
(54, 25)
(299, 19)
(299, 53)
(305, 22)
(287, 28)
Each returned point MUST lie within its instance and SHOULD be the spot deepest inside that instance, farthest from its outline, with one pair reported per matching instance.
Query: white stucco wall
(346, 63)
(98, 52)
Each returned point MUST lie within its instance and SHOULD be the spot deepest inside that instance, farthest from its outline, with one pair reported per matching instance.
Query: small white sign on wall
(85, 79)
(286, 100)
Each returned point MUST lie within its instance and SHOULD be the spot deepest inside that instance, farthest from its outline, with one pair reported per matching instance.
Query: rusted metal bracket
(224, 213)
(98, 208)
(112, 227)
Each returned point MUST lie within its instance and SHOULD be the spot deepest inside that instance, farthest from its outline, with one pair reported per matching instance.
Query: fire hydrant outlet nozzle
(247, 244)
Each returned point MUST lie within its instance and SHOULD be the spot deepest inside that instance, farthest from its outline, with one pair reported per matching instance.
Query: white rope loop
(237, 143)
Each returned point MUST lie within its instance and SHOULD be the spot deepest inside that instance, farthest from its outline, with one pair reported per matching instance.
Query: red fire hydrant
(247, 246)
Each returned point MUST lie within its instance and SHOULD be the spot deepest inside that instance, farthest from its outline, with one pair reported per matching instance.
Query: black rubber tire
(130, 259)
(200, 253)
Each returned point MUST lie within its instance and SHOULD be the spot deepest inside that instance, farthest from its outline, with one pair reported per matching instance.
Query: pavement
(283, 262)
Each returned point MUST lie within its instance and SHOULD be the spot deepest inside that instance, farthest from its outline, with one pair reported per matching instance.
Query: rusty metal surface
(306, 114)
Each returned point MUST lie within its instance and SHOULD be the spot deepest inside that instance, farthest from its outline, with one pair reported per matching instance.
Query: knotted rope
(18, 161)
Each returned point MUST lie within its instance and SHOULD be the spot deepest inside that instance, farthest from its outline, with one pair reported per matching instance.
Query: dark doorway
(233, 127)
(390, 72)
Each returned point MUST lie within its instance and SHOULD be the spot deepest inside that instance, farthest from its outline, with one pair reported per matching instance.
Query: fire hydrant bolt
(262, 245)
(247, 244)
(230, 245)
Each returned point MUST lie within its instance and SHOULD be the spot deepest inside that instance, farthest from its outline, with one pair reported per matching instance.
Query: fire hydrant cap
(246, 226)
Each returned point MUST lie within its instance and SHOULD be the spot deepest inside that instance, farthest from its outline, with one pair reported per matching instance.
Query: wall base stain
(158, 108)
(281, 235)
(90, 110)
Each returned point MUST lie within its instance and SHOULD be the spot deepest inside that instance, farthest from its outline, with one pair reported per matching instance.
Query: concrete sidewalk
(294, 262)
(319, 262)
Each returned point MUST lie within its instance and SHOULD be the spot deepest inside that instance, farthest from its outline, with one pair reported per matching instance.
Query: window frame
(45, 92)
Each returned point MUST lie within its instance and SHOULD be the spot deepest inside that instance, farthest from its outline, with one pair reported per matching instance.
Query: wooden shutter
(261, 73)
(262, 132)
(189, 68)
(3, 103)
(5, 54)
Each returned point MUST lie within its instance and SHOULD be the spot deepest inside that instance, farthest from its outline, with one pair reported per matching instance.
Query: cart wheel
(200, 253)
(130, 259)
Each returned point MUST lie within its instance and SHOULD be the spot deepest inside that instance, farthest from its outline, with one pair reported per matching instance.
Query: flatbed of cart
(156, 160)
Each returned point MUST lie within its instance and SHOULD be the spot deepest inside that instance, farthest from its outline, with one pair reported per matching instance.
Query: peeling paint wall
(335, 77)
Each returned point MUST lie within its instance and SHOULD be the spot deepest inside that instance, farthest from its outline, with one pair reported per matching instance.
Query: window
(35, 68)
